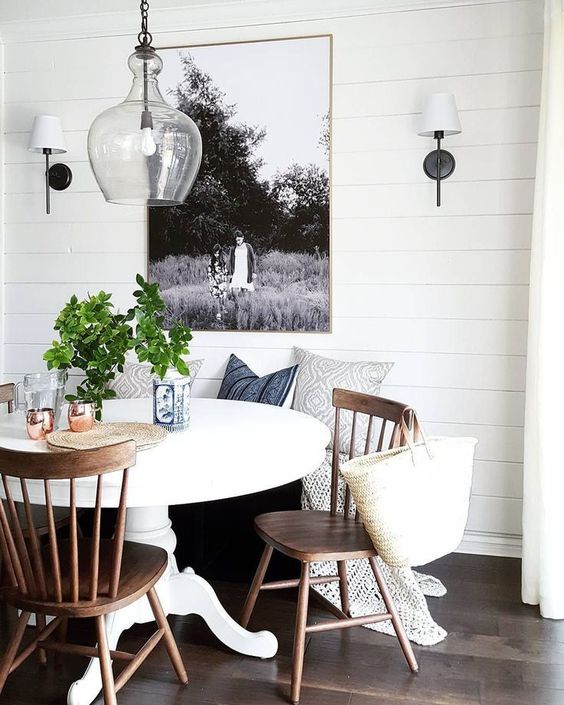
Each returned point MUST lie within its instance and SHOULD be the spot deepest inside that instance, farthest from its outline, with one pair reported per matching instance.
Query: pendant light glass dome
(143, 151)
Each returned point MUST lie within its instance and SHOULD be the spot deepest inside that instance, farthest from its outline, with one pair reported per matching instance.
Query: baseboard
(487, 544)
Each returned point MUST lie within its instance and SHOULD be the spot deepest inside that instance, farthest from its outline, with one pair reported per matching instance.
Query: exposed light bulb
(148, 146)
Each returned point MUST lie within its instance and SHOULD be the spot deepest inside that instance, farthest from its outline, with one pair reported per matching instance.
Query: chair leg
(12, 648)
(41, 623)
(62, 631)
(396, 621)
(344, 587)
(255, 586)
(300, 635)
(108, 685)
(170, 641)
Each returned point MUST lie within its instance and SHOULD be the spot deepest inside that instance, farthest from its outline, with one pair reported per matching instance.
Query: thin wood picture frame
(291, 268)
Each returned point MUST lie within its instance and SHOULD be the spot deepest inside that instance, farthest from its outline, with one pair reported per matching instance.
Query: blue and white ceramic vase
(171, 402)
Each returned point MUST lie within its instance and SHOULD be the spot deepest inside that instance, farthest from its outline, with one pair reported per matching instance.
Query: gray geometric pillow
(136, 380)
(318, 376)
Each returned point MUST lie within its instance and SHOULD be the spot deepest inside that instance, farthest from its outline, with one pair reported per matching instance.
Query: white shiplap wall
(443, 293)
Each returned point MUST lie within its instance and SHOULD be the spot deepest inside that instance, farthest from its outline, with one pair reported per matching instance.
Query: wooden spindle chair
(312, 536)
(76, 577)
(7, 396)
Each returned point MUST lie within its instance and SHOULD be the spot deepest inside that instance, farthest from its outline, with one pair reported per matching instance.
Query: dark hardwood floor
(498, 652)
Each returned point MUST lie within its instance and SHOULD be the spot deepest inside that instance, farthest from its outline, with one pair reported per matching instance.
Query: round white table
(231, 448)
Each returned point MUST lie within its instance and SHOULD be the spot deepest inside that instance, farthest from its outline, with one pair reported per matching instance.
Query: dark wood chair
(7, 397)
(310, 536)
(76, 577)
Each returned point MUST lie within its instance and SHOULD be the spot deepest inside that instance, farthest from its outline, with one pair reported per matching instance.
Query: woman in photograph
(242, 265)
(217, 279)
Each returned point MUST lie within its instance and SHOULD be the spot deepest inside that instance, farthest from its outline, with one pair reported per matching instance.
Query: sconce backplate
(60, 177)
(447, 164)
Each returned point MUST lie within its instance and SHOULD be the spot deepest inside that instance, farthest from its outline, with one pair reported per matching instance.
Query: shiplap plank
(447, 58)
(496, 232)
(74, 114)
(16, 151)
(490, 267)
(495, 515)
(433, 336)
(103, 268)
(29, 178)
(483, 162)
(75, 237)
(479, 337)
(410, 369)
(512, 89)
(463, 406)
(69, 207)
(497, 479)
(472, 198)
(21, 298)
(495, 443)
(429, 300)
(456, 268)
(499, 126)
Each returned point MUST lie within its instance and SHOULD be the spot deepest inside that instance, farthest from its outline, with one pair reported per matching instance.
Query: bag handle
(415, 436)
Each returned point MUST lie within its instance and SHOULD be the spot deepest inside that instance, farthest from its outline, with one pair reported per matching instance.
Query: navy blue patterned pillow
(241, 383)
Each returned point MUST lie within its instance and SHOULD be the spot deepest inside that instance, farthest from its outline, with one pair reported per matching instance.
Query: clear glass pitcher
(43, 390)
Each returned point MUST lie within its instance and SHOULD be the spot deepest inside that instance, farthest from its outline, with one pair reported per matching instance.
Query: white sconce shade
(47, 139)
(47, 133)
(440, 115)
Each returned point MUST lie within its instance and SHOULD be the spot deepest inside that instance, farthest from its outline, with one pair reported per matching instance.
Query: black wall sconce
(47, 138)
(440, 118)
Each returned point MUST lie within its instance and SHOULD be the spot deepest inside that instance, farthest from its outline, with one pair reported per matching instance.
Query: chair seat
(39, 518)
(141, 567)
(314, 535)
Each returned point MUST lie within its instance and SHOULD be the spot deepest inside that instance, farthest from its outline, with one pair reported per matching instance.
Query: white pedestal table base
(181, 593)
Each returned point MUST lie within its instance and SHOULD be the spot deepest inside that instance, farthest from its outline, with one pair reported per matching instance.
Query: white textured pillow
(318, 376)
(136, 380)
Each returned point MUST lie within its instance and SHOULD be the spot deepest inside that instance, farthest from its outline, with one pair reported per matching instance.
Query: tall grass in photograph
(292, 290)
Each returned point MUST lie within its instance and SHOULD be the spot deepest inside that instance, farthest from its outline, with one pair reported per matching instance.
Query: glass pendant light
(143, 151)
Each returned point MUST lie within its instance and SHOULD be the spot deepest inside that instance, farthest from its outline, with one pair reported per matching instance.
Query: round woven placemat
(104, 434)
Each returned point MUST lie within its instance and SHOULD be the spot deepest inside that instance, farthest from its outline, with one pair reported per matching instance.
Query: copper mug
(81, 415)
(39, 422)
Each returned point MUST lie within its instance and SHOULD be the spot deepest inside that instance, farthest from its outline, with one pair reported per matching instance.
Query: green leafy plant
(96, 339)
(150, 342)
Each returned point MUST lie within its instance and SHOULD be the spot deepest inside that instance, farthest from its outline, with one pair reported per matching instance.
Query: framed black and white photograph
(250, 248)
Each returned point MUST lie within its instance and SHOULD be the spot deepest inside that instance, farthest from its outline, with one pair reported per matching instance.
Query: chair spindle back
(7, 395)
(51, 574)
(367, 410)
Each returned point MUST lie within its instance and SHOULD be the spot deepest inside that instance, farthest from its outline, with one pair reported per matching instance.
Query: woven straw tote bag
(414, 500)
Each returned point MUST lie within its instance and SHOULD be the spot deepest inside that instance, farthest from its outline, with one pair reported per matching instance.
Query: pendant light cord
(145, 38)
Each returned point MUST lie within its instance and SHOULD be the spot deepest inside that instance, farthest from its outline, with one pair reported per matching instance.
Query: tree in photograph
(228, 191)
(303, 193)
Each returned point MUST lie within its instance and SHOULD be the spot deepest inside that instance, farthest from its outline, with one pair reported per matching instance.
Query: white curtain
(543, 493)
